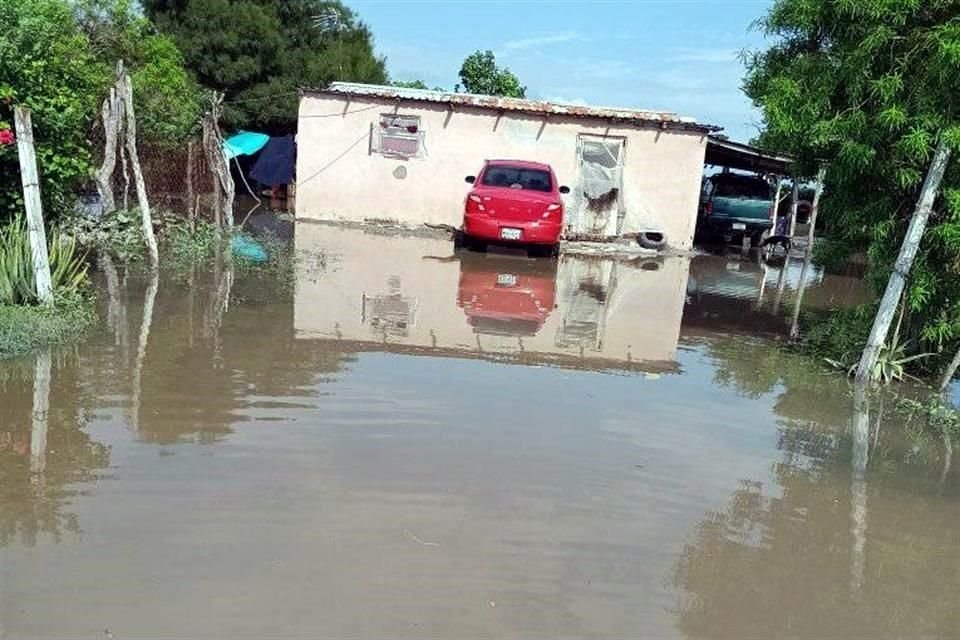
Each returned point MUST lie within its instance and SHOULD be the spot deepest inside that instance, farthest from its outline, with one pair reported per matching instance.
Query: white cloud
(703, 54)
(540, 41)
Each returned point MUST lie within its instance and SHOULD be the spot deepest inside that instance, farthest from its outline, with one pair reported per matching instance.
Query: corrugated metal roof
(513, 104)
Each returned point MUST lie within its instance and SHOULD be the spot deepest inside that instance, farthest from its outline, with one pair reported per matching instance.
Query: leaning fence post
(31, 202)
(901, 268)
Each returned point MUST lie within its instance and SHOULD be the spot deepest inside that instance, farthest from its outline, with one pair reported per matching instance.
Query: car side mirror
(564, 190)
(471, 179)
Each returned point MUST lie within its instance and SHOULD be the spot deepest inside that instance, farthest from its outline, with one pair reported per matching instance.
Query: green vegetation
(57, 57)
(68, 267)
(480, 74)
(26, 328)
(870, 87)
(24, 324)
(258, 52)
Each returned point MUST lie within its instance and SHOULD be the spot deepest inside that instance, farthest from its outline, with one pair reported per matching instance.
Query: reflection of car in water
(506, 296)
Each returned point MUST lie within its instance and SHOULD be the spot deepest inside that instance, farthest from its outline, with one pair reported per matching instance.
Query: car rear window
(517, 178)
(755, 189)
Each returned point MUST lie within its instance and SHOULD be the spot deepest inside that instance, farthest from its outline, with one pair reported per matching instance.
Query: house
(369, 152)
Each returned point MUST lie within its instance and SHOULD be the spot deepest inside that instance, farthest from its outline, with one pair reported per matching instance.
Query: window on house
(399, 136)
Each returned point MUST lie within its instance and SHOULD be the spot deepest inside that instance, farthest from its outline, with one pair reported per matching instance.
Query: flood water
(391, 439)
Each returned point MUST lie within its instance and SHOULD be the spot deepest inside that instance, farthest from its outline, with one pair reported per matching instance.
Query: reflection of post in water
(41, 407)
(220, 302)
(795, 325)
(145, 324)
(858, 486)
(781, 284)
(116, 310)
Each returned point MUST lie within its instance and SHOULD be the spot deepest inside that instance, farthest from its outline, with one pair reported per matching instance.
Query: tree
(259, 52)
(414, 84)
(870, 87)
(480, 74)
(166, 95)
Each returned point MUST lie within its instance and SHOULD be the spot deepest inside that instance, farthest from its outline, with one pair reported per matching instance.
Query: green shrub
(68, 267)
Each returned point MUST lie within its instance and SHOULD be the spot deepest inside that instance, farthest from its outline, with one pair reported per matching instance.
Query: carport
(722, 152)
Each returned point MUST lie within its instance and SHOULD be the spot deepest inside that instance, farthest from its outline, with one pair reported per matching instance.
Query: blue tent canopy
(244, 143)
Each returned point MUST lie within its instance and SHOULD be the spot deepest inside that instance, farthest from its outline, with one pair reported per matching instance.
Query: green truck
(733, 205)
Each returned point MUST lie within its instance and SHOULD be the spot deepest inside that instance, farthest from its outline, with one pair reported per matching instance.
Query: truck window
(753, 189)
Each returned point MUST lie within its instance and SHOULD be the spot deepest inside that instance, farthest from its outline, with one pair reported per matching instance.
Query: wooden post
(145, 218)
(30, 179)
(908, 251)
(191, 188)
(816, 206)
(111, 112)
(950, 371)
(776, 206)
(794, 201)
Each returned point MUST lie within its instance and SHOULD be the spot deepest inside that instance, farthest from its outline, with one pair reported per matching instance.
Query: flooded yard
(394, 439)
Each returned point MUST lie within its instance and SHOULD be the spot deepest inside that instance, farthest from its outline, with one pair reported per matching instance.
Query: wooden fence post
(776, 206)
(901, 268)
(30, 179)
(950, 371)
(816, 206)
(794, 201)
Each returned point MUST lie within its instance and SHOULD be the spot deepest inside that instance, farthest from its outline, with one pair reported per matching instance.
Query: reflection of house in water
(389, 314)
(416, 295)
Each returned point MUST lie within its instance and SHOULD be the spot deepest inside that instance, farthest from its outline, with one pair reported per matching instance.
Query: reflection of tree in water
(36, 503)
(207, 359)
(831, 551)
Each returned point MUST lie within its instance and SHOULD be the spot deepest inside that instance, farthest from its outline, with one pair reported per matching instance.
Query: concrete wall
(338, 177)
(416, 293)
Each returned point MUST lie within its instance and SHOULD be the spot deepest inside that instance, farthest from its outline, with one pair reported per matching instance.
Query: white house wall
(339, 178)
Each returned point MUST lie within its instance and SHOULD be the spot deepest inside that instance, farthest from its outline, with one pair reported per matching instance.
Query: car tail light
(770, 212)
(475, 203)
(708, 208)
(552, 208)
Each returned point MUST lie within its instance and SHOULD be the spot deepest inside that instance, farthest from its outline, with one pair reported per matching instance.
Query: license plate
(739, 226)
(510, 234)
(506, 279)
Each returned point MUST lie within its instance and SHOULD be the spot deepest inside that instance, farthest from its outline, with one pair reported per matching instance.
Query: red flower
(6, 137)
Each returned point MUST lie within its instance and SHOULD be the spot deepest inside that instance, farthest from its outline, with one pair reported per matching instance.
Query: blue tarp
(245, 143)
(274, 166)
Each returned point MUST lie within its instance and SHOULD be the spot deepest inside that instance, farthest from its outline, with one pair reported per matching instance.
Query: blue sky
(674, 55)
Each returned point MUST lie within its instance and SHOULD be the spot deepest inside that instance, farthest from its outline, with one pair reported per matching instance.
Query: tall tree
(871, 86)
(258, 52)
(480, 74)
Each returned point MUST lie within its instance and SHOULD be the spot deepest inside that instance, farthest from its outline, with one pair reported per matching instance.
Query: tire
(652, 240)
(544, 251)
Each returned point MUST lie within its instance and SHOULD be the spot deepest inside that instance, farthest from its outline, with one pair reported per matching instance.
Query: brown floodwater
(385, 438)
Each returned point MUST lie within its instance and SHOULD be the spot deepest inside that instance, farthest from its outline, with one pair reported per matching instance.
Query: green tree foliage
(480, 74)
(414, 84)
(46, 64)
(57, 57)
(167, 98)
(259, 52)
(870, 87)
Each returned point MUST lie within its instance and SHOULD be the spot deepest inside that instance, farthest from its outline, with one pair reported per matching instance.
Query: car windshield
(517, 178)
(754, 189)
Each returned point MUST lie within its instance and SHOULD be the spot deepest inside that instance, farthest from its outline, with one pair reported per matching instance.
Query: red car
(515, 202)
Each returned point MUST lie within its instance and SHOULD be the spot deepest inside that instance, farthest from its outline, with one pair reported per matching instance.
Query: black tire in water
(652, 240)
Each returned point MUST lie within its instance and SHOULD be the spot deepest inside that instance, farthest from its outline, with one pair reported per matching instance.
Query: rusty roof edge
(665, 118)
